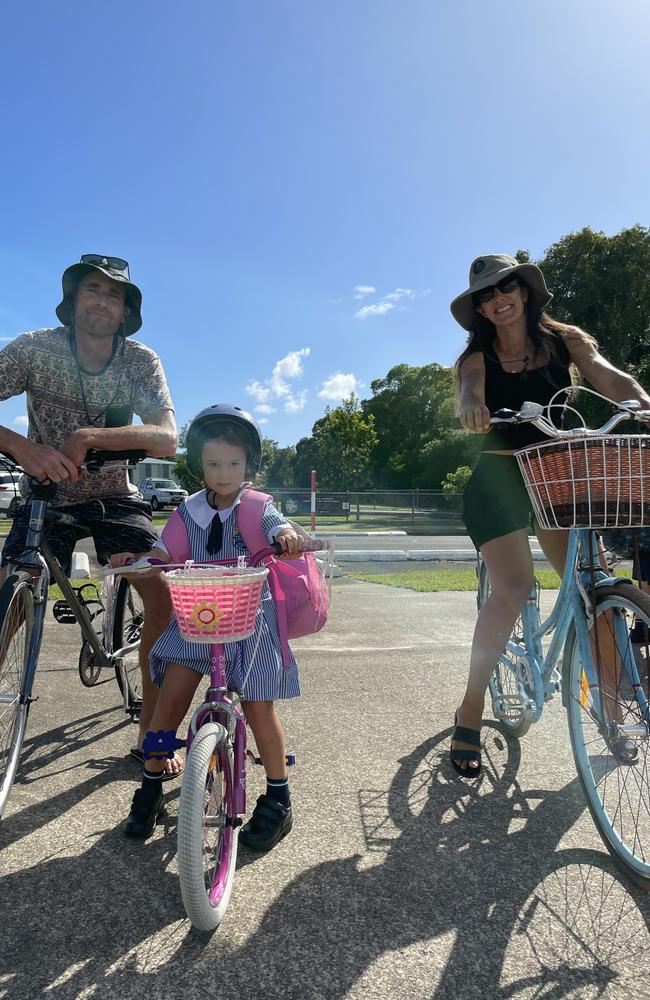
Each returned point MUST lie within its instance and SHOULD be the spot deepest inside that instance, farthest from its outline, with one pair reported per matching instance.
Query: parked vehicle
(9, 492)
(162, 493)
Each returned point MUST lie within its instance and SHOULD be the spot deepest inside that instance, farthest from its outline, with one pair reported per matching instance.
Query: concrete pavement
(399, 881)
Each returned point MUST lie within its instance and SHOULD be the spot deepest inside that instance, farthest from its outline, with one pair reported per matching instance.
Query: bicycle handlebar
(533, 413)
(95, 459)
(144, 565)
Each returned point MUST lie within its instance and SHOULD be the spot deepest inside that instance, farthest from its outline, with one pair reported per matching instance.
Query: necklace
(522, 372)
(518, 361)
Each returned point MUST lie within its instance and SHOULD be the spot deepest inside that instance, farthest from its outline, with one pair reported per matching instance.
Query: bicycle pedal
(63, 613)
(289, 758)
(509, 706)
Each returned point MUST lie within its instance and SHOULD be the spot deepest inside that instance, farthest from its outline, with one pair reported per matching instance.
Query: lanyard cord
(73, 347)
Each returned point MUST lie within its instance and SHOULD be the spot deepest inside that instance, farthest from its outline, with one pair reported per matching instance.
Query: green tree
(602, 284)
(277, 465)
(181, 472)
(340, 448)
(455, 482)
(307, 458)
(419, 440)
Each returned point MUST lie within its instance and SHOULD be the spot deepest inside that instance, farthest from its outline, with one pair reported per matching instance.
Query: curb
(415, 555)
(353, 534)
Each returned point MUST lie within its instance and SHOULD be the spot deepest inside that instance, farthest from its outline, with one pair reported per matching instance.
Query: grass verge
(435, 580)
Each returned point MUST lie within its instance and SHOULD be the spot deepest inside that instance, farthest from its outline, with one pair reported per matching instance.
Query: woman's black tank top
(509, 390)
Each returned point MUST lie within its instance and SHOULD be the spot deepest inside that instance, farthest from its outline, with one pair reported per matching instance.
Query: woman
(515, 352)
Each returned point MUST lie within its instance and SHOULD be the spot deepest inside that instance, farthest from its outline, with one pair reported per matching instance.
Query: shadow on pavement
(462, 891)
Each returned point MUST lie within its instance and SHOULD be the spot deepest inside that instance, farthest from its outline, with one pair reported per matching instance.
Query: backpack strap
(175, 538)
(250, 512)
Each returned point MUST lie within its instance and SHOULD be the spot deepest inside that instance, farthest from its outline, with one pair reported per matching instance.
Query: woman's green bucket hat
(488, 270)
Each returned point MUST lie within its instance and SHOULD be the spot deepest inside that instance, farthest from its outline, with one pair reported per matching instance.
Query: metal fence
(430, 508)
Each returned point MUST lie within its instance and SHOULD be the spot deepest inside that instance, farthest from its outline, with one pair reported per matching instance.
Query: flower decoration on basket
(206, 615)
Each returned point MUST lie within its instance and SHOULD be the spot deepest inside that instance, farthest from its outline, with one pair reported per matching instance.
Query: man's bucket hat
(488, 270)
(108, 266)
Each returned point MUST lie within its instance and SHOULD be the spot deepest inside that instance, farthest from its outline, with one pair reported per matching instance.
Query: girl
(224, 447)
(515, 352)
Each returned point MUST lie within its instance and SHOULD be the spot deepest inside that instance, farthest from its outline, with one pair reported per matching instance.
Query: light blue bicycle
(581, 481)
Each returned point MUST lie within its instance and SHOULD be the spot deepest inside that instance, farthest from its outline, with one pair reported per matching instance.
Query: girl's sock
(279, 790)
(152, 783)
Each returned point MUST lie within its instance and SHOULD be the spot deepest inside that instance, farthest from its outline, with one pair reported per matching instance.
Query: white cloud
(21, 421)
(296, 402)
(263, 420)
(360, 291)
(376, 309)
(339, 386)
(258, 391)
(278, 386)
(5, 339)
(399, 293)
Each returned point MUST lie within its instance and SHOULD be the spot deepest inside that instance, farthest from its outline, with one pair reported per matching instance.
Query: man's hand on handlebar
(46, 464)
(76, 446)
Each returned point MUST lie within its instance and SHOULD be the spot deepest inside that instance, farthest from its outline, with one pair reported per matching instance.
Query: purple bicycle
(215, 603)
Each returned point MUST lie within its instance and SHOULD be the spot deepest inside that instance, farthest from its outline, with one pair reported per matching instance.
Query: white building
(151, 468)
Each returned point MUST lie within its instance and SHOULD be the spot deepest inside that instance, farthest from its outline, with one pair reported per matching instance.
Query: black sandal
(465, 735)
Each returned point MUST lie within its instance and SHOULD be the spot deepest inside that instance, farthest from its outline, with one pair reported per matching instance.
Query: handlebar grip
(95, 459)
(311, 545)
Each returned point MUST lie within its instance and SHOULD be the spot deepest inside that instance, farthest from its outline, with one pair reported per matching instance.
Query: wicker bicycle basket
(216, 603)
(596, 482)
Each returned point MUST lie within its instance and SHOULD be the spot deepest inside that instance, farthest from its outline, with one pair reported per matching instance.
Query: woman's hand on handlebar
(474, 417)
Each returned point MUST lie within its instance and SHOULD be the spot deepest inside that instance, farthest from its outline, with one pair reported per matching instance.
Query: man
(84, 381)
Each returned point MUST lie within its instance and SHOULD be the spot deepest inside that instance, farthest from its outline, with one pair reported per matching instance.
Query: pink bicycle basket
(594, 482)
(215, 604)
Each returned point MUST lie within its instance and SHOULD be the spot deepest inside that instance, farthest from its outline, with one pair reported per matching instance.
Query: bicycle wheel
(207, 839)
(16, 624)
(127, 628)
(511, 674)
(611, 745)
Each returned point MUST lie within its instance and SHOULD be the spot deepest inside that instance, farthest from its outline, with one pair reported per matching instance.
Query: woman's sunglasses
(114, 263)
(507, 284)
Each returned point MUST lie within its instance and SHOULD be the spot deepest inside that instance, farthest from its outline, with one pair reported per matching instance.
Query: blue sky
(299, 186)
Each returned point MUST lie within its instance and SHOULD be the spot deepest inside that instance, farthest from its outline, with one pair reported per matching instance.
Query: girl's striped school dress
(268, 680)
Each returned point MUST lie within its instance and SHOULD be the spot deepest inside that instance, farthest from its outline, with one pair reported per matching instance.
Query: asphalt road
(399, 881)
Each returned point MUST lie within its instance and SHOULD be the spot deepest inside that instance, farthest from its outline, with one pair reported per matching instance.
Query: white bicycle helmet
(217, 417)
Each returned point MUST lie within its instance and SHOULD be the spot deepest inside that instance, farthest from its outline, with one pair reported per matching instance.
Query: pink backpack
(301, 595)
(297, 586)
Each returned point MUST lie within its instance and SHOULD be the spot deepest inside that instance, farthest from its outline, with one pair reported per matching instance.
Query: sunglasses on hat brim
(101, 260)
(507, 284)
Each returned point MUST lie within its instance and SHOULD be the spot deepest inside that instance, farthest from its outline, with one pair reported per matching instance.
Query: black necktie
(215, 538)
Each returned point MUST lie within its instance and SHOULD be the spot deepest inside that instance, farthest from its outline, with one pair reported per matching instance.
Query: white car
(9, 491)
(162, 493)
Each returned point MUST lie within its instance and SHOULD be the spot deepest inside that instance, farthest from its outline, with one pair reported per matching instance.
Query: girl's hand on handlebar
(475, 418)
(148, 564)
(293, 545)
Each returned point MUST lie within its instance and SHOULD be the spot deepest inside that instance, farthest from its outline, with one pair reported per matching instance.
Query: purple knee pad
(161, 743)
